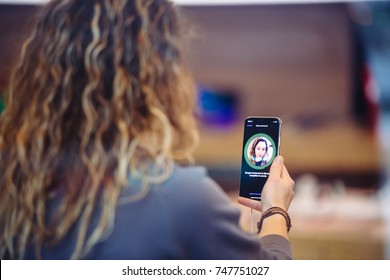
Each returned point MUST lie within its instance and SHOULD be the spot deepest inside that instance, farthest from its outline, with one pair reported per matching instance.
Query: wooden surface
(284, 60)
(328, 238)
(15, 24)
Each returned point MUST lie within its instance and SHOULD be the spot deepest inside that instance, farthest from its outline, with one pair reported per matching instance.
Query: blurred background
(323, 67)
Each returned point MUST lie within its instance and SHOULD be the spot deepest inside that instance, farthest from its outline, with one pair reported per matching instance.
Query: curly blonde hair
(100, 92)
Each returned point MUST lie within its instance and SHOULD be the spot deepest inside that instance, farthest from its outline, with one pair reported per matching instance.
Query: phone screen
(260, 147)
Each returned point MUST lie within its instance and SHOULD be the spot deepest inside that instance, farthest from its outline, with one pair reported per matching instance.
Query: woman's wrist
(275, 211)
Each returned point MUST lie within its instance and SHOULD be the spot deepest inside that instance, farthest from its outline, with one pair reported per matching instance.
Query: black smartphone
(260, 146)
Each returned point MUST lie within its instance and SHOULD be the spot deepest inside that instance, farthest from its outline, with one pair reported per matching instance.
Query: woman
(259, 152)
(98, 120)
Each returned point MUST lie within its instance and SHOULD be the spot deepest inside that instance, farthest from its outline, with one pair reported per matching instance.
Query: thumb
(277, 167)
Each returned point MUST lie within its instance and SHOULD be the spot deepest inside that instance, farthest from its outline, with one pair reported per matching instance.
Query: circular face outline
(267, 137)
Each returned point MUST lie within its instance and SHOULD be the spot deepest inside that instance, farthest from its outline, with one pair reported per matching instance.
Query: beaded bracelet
(272, 211)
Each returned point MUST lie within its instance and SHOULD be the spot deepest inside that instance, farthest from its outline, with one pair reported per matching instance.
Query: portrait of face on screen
(260, 151)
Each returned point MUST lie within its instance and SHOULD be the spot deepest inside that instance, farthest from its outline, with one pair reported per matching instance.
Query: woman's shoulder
(190, 171)
(190, 179)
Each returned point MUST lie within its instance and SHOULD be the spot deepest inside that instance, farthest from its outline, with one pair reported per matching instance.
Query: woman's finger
(254, 204)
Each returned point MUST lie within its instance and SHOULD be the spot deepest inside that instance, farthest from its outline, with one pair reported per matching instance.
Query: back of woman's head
(99, 92)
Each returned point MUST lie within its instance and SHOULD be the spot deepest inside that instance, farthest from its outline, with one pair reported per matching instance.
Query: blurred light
(217, 2)
(217, 107)
(252, 2)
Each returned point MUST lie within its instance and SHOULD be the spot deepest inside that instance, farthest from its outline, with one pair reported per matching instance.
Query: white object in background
(384, 194)
(305, 203)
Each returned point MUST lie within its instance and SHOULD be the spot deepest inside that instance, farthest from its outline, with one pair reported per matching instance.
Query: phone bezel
(244, 151)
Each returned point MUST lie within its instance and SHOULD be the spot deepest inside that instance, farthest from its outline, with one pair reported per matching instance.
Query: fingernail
(279, 160)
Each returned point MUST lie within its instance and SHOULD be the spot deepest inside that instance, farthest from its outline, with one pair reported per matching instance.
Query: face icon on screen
(260, 151)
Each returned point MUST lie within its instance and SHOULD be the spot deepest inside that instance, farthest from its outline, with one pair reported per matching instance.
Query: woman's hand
(278, 191)
(279, 188)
